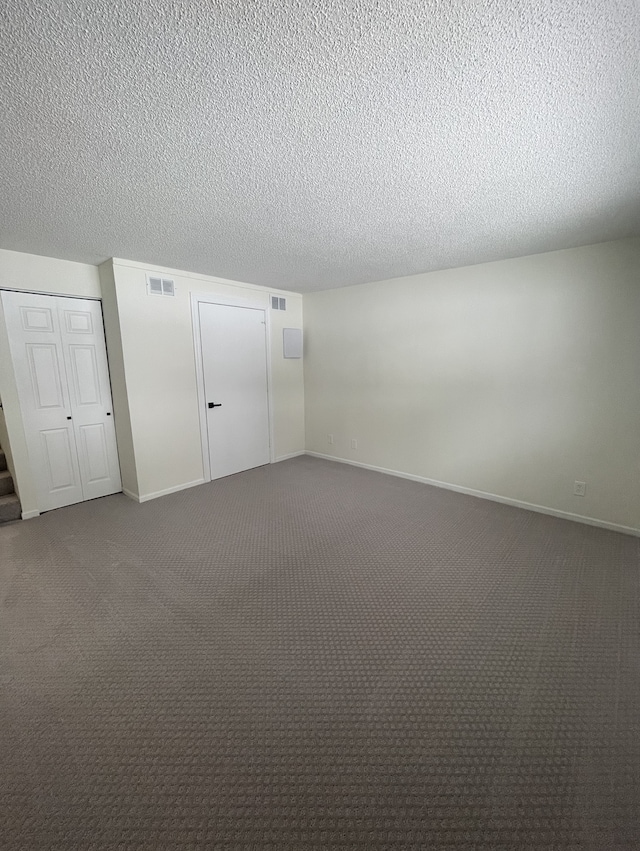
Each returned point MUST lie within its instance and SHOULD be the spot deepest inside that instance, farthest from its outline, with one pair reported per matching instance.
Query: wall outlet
(354, 443)
(330, 439)
(580, 488)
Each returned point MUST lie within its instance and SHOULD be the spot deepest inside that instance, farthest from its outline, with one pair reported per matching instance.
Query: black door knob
(214, 404)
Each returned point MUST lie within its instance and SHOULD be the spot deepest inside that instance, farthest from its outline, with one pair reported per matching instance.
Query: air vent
(278, 303)
(160, 286)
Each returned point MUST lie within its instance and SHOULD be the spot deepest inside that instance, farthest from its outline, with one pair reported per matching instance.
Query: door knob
(214, 404)
(68, 418)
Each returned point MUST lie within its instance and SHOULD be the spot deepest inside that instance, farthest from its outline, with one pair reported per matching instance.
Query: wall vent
(160, 286)
(278, 303)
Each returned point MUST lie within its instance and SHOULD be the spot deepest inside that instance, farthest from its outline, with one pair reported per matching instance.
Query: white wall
(37, 274)
(513, 378)
(5, 443)
(34, 273)
(120, 398)
(156, 373)
(151, 360)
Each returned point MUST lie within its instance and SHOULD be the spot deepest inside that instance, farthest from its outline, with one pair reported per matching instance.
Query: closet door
(59, 358)
(38, 361)
(85, 357)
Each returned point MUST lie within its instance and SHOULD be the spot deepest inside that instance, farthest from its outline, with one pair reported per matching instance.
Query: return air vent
(160, 286)
(278, 303)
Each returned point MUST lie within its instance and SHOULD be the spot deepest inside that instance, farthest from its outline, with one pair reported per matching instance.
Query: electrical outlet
(330, 439)
(580, 488)
(354, 443)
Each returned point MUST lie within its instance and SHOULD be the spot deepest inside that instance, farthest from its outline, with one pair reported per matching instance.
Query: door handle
(214, 404)
(68, 418)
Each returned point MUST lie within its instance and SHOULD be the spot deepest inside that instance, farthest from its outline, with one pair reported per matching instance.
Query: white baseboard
(29, 515)
(505, 500)
(145, 497)
(290, 455)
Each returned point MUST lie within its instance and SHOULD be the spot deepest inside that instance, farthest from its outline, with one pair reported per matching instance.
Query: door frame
(230, 301)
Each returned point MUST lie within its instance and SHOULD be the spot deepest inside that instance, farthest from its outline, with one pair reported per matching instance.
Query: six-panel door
(59, 356)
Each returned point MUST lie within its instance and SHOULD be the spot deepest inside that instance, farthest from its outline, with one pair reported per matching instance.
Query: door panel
(44, 367)
(78, 322)
(36, 319)
(58, 454)
(94, 447)
(84, 374)
(234, 361)
(59, 357)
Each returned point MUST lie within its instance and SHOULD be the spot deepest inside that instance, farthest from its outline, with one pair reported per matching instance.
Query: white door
(85, 356)
(60, 362)
(234, 365)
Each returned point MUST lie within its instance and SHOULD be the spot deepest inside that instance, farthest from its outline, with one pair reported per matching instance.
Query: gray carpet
(312, 656)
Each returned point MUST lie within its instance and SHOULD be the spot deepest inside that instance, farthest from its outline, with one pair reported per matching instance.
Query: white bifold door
(234, 366)
(60, 363)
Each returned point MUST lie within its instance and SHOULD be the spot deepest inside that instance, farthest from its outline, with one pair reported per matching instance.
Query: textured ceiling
(315, 144)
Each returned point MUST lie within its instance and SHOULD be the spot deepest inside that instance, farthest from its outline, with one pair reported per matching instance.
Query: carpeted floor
(313, 656)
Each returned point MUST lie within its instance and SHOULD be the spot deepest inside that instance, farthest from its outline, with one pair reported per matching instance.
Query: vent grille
(278, 303)
(160, 286)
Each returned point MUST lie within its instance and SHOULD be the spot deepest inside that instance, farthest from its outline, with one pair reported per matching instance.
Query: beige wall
(513, 378)
(158, 375)
(37, 274)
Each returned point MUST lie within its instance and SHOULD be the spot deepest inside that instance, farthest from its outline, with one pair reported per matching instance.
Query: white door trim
(233, 301)
(4, 288)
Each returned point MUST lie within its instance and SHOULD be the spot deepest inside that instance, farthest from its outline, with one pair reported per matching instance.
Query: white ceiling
(308, 144)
